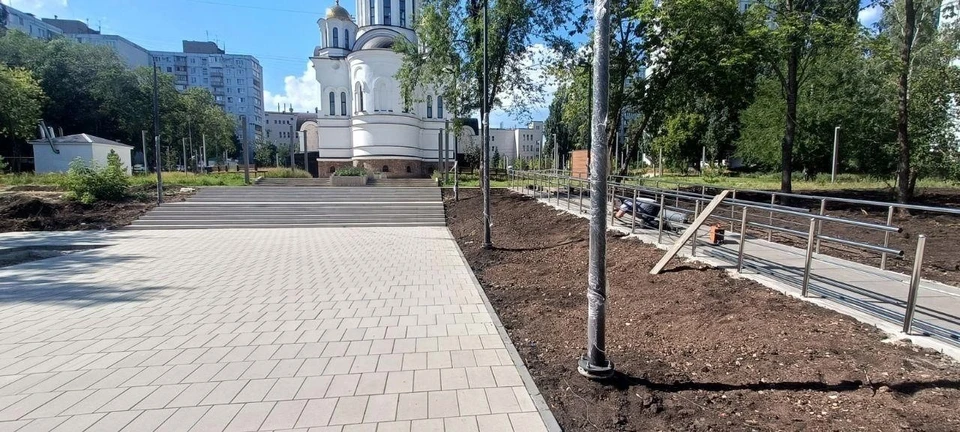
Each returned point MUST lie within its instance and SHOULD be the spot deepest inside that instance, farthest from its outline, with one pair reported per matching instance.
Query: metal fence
(747, 217)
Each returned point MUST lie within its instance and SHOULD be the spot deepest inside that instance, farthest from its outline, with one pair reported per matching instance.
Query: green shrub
(287, 173)
(90, 183)
(3, 165)
(351, 172)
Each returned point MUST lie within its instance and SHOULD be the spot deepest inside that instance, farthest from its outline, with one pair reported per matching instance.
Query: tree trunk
(904, 189)
(790, 133)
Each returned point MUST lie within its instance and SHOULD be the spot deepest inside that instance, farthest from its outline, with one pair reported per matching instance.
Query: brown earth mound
(694, 348)
(24, 212)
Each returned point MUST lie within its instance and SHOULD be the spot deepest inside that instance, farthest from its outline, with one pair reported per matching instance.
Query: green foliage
(90, 183)
(4, 166)
(21, 100)
(350, 172)
(495, 157)
(87, 88)
(287, 173)
(264, 153)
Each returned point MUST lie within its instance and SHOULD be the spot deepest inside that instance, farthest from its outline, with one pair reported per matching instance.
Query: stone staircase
(297, 207)
(325, 182)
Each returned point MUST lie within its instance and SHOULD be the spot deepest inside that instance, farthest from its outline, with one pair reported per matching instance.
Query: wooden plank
(691, 230)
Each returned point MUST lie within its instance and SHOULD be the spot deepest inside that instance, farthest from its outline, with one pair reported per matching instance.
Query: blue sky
(280, 33)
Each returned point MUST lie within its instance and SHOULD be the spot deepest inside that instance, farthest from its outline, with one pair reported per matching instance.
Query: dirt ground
(42, 209)
(694, 349)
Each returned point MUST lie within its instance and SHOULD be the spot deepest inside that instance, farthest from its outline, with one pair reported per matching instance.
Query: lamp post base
(593, 371)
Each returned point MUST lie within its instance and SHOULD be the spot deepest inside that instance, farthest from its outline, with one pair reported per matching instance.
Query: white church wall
(386, 136)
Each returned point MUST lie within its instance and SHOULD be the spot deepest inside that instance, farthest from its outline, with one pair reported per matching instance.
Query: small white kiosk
(55, 154)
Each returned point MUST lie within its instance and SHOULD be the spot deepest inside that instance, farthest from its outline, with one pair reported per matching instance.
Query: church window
(346, 38)
(439, 106)
(429, 106)
(385, 169)
(373, 11)
(403, 13)
(333, 104)
(343, 103)
(408, 168)
(336, 37)
(333, 169)
(386, 12)
(358, 90)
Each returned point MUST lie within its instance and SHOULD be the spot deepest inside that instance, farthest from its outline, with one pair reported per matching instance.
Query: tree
(21, 101)
(795, 33)
(264, 153)
(919, 54)
(495, 159)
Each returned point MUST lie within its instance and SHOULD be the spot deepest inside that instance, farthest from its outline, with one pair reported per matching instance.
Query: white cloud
(870, 15)
(303, 92)
(39, 8)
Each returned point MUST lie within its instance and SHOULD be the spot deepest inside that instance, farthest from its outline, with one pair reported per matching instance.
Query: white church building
(361, 120)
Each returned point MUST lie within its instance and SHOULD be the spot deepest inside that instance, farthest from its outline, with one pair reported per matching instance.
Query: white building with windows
(362, 120)
(133, 55)
(235, 80)
(13, 19)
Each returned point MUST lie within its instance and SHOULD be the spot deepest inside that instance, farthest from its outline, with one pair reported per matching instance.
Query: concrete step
(288, 218)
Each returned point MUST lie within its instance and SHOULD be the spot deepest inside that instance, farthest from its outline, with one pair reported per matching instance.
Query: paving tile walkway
(330, 329)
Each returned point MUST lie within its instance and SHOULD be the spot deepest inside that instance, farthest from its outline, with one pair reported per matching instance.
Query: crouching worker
(647, 211)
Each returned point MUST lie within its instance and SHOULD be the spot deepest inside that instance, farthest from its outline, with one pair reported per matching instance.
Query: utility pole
(446, 150)
(204, 137)
(487, 242)
(246, 152)
(156, 132)
(300, 137)
(183, 145)
(836, 148)
(703, 160)
(303, 143)
(556, 153)
(594, 363)
(456, 167)
(193, 152)
(143, 143)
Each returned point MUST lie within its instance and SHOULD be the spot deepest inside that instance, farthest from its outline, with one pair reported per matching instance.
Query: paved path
(864, 289)
(331, 329)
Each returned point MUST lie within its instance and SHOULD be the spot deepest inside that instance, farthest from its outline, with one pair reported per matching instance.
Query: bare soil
(694, 349)
(44, 210)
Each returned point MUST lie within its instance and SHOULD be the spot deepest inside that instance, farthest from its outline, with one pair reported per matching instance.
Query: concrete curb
(548, 419)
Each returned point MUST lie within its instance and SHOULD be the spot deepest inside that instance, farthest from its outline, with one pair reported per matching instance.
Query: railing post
(581, 196)
(743, 239)
(557, 173)
(567, 194)
(809, 257)
(676, 202)
(773, 201)
(693, 245)
(613, 202)
(823, 209)
(886, 239)
(662, 212)
(914, 285)
(733, 209)
(633, 223)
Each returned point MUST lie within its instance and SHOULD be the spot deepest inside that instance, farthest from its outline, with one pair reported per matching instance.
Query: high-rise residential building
(235, 80)
(14, 19)
(133, 55)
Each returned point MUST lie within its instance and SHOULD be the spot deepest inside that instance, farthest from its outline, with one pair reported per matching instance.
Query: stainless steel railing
(800, 222)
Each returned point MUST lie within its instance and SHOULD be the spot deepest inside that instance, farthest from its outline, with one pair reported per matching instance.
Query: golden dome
(338, 12)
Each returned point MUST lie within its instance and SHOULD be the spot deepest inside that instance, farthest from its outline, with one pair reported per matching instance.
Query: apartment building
(133, 55)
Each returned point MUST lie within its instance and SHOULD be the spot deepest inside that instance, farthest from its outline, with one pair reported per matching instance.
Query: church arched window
(387, 19)
(373, 12)
(429, 106)
(333, 104)
(346, 38)
(358, 90)
(336, 37)
(439, 106)
(343, 103)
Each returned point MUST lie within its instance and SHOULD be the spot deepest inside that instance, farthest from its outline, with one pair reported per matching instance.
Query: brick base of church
(392, 168)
